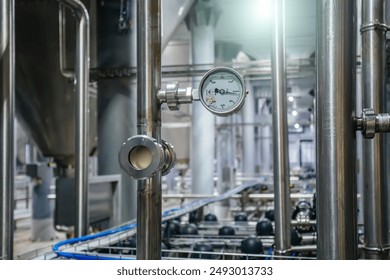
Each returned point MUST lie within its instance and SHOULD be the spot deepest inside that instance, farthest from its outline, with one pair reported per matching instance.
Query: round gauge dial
(222, 91)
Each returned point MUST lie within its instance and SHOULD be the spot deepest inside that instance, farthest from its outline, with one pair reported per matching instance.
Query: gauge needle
(224, 92)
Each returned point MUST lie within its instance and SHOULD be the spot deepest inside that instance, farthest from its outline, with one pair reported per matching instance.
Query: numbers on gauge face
(222, 91)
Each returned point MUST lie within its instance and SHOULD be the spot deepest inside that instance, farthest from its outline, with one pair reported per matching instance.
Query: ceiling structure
(248, 23)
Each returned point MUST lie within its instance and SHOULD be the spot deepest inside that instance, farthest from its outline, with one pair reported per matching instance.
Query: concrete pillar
(117, 98)
(201, 21)
(248, 133)
(226, 152)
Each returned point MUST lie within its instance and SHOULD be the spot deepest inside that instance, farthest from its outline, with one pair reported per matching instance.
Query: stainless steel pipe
(373, 32)
(62, 42)
(4, 13)
(335, 137)
(248, 133)
(280, 134)
(149, 123)
(82, 108)
(7, 109)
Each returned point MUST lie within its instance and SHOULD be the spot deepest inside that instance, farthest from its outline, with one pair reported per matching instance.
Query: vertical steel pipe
(4, 13)
(62, 42)
(335, 136)
(248, 134)
(280, 134)
(82, 108)
(226, 153)
(358, 108)
(373, 32)
(7, 64)
(149, 123)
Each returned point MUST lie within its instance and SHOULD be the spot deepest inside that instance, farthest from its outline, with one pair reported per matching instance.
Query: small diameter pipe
(82, 115)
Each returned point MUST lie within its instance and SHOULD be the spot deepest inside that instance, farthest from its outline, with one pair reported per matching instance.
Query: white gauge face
(222, 91)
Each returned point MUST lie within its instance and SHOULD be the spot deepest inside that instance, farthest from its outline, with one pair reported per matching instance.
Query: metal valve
(371, 123)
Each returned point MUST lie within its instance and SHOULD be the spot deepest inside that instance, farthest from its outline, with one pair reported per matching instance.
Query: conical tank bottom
(44, 98)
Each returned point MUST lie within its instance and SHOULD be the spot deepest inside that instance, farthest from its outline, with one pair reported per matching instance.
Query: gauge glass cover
(222, 91)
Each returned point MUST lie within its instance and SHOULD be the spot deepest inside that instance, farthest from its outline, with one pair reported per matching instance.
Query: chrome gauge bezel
(241, 100)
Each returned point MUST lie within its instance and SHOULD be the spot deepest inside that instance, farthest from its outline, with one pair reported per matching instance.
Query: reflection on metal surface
(280, 132)
(335, 139)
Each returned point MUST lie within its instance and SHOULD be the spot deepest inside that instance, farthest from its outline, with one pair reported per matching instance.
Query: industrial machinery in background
(105, 90)
(57, 107)
(186, 233)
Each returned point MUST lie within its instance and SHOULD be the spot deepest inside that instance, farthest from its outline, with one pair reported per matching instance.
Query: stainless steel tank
(44, 98)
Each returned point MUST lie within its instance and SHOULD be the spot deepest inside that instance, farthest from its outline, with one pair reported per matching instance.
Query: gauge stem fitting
(173, 95)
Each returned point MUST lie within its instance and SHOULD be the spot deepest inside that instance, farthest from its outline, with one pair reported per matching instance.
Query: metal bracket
(371, 123)
(173, 95)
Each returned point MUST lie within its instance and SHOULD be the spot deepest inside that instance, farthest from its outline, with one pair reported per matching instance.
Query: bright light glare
(297, 125)
(290, 98)
(294, 113)
(180, 11)
(264, 9)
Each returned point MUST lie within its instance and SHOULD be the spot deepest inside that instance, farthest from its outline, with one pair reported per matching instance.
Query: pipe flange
(170, 157)
(369, 123)
(141, 156)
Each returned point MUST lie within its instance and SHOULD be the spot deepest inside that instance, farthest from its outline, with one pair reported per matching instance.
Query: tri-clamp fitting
(371, 123)
(142, 156)
(173, 95)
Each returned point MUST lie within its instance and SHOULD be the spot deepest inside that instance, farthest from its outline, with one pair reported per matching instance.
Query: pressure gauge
(222, 91)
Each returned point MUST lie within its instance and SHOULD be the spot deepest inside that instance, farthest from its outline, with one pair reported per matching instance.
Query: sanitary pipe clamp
(141, 156)
(170, 157)
(371, 123)
(173, 95)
